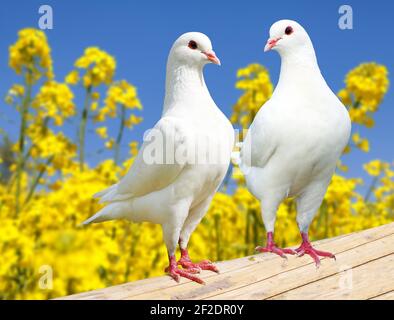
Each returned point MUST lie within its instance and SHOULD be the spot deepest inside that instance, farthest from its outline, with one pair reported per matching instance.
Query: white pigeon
(182, 161)
(296, 138)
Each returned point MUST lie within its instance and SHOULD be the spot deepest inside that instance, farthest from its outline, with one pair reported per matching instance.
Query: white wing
(260, 143)
(154, 167)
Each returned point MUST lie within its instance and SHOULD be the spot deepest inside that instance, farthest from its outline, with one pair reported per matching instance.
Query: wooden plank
(282, 282)
(385, 296)
(158, 283)
(258, 271)
(235, 274)
(370, 279)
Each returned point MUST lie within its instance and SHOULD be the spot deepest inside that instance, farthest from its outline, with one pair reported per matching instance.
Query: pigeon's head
(193, 48)
(287, 36)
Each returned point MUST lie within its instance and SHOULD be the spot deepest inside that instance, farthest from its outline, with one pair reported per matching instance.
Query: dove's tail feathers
(111, 195)
(112, 211)
(102, 193)
(114, 196)
(94, 219)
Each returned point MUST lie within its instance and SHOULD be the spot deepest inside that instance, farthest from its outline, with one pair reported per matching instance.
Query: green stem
(37, 179)
(21, 142)
(218, 243)
(247, 236)
(371, 188)
(27, 155)
(326, 220)
(255, 227)
(120, 133)
(82, 128)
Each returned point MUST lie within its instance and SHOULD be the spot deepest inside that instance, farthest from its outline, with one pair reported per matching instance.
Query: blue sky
(140, 33)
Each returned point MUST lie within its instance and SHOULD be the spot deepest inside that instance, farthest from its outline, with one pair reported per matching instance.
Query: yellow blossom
(54, 100)
(375, 167)
(120, 93)
(47, 231)
(133, 120)
(255, 81)
(110, 143)
(102, 132)
(95, 95)
(16, 91)
(72, 77)
(362, 144)
(32, 53)
(99, 67)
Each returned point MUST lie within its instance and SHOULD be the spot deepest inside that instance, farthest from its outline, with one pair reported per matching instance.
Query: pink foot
(306, 248)
(174, 272)
(271, 247)
(186, 263)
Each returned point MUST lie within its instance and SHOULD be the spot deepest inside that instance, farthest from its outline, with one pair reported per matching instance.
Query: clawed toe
(274, 249)
(176, 273)
(306, 248)
(189, 273)
(271, 247)
(203, 265)
(209, 266)
(193, 270)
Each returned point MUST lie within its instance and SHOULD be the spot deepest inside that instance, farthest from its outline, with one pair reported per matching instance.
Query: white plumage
(175, 192)
(296, 138)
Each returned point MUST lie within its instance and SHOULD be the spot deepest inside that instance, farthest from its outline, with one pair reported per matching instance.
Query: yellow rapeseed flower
(72, 77)
(102, 132)
(54, 100)
(375, 167)
(255, 81)
(31, 53)
(101, 255)
(110, 143)
(99, 67)
(361, 143)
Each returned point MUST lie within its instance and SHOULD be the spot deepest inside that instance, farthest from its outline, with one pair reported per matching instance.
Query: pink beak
(211, 56)
(270, 44)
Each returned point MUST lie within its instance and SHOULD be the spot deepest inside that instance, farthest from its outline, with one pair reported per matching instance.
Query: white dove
(182, 161)
(296, 138)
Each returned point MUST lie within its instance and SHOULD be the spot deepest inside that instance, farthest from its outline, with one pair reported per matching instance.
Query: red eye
(289, 30)
(192, 44)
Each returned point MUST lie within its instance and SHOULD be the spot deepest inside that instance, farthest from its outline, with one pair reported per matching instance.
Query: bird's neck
(300, 67)
(184, 83)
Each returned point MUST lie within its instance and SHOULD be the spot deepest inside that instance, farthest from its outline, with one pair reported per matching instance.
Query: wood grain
(364, 269)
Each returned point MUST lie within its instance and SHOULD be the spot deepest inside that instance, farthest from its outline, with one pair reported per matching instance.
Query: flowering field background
(46, 184)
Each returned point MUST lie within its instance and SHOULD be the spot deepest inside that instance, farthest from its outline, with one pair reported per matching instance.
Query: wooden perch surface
(364, 269)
